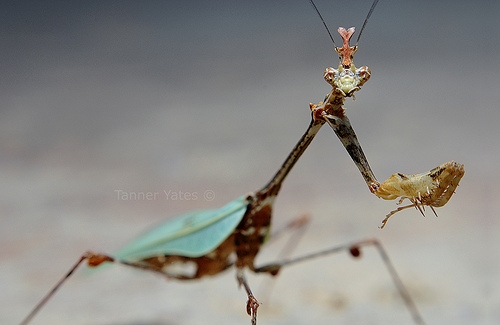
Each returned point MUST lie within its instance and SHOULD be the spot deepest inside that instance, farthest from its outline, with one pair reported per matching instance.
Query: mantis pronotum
(215, 240)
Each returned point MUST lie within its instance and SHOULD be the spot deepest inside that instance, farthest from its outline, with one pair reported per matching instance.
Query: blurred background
(203, 101)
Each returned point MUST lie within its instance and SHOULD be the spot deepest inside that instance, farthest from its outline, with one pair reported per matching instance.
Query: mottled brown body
(210, 264)
(251, 234)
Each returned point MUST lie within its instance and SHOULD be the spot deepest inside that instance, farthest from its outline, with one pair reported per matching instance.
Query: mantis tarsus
(215, 240)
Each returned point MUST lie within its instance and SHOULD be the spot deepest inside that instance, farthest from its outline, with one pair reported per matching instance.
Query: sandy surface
(167, 97)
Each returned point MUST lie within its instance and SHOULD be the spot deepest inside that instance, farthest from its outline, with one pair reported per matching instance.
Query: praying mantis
(215, 240)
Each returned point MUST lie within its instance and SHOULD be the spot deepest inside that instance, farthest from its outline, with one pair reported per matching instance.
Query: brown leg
(354, 250)
(295, 230)
(252, 303)
(297, 227)
(93, 260)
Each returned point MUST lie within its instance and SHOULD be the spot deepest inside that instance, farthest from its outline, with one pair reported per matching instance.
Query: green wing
(193, 234)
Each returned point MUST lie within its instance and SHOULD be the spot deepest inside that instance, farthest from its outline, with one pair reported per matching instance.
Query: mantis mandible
(216, 240)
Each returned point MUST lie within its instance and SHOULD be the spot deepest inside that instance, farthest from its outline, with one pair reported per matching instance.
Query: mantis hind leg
(93, 260)
(353, 249)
